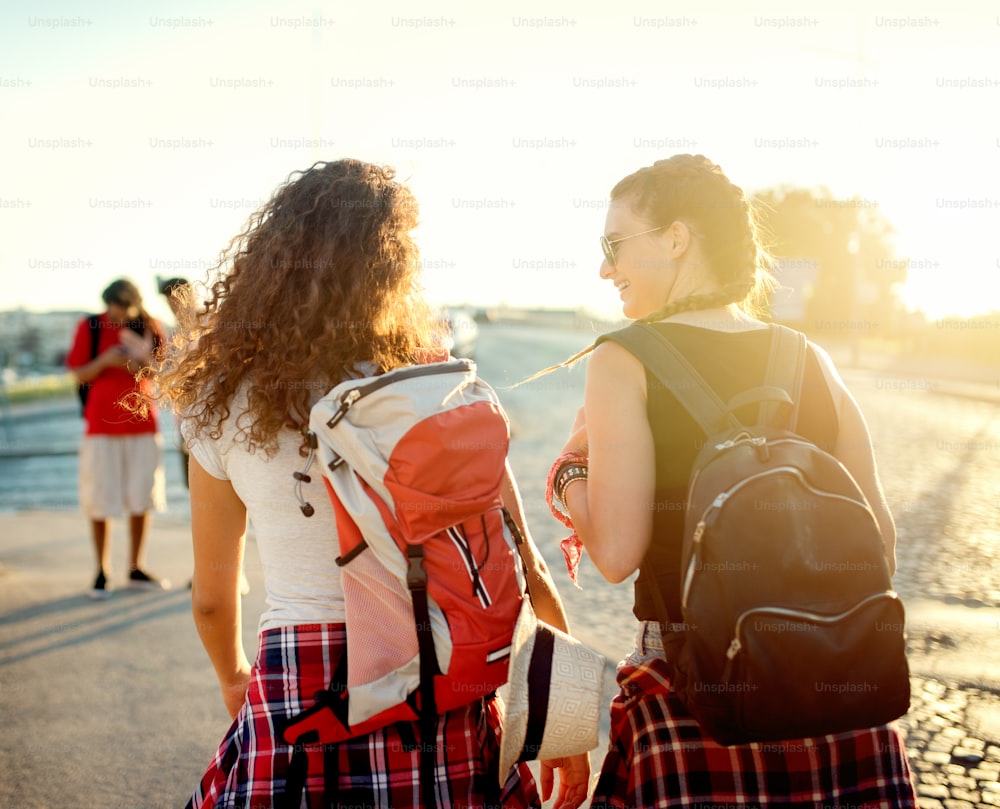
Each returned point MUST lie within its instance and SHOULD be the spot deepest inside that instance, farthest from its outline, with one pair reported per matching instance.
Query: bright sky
(137, 139)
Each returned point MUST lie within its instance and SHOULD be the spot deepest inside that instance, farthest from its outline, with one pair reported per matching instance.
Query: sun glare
(511, 183)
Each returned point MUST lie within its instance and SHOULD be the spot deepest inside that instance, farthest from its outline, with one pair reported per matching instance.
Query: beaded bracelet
(571, 546)
(556, 506)
(567, 474)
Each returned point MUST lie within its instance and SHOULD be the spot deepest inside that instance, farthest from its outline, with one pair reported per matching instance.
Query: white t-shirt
(297, 553)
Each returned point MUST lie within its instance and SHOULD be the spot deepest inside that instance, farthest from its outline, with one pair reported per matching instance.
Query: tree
(851, 243)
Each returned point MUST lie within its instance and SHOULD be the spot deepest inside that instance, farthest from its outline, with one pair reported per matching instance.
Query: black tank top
(730, 362)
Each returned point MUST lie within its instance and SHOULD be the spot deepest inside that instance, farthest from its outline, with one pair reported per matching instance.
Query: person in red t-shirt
(121, 455)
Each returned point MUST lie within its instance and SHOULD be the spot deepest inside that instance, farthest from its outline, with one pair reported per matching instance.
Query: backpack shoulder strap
(95, 334)
(672, 368)
(785, 369)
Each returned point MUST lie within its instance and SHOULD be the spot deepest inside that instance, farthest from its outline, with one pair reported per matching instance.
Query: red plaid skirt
(378, 770)
(659, 757)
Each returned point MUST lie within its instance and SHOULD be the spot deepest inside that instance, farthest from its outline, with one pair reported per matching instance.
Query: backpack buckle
(416, 576)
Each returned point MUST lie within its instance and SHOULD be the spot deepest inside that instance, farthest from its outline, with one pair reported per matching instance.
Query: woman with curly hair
(322, 286)
(682, 250)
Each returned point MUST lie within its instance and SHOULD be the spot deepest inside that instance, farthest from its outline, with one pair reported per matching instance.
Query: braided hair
(693, 189)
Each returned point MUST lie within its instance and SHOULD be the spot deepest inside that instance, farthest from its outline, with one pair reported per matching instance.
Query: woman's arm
(218, 529)
(544, 596)
(612, 510)
(855, 451)
(574, 771)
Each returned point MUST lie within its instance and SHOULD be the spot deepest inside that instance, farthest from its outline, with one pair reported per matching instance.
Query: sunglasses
(608, 248)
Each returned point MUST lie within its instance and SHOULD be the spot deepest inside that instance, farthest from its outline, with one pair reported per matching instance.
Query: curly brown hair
(323, 278)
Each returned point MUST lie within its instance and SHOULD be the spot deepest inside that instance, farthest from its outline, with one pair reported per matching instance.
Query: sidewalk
(110, 704)
(115, 704)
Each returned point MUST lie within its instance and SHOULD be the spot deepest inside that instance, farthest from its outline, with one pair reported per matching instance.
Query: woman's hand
(574, 780)
(138, 347)
(114, 357)
(234, 692)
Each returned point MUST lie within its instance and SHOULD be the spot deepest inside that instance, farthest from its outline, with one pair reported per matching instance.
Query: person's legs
(102, 550)
(143, 493)
(98, 501)
(102, 547)
(137, 533)
(138, 577)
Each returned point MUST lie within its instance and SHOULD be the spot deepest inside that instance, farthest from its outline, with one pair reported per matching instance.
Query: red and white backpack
(413, 461)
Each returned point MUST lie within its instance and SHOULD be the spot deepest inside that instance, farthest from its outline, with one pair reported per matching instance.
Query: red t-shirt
(104, 414)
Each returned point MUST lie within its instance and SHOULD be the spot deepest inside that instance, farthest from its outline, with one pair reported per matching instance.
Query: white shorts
(121, 475)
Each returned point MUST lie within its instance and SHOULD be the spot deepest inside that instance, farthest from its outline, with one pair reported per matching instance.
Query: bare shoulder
(610, 352)
(612, 363)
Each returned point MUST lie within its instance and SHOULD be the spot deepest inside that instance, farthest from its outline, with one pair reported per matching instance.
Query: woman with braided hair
(682, 249)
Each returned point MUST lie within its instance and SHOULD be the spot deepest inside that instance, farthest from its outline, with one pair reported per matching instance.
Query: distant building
(36, 340)
(557, 318)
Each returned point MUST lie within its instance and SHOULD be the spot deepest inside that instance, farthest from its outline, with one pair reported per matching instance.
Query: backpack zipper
(756, 441)
(717, 503)
(410, 372)
(478, 588)
(735, 645)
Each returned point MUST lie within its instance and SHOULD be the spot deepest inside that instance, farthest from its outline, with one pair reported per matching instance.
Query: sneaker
(141, 580)
(100, 590)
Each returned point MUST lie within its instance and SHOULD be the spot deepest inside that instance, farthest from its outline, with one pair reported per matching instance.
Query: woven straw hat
(554, 696)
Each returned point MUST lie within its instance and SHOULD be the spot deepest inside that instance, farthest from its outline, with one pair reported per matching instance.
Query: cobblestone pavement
(953, 746)
(938, 457)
